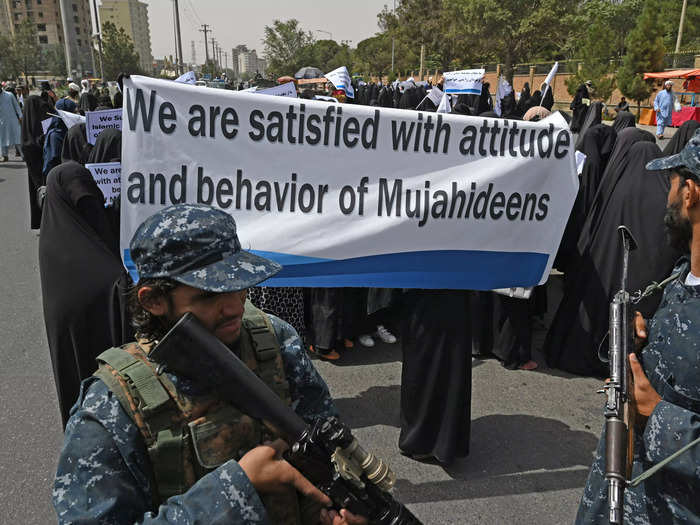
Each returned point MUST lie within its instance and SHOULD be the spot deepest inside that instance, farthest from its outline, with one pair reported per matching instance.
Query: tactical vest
(189, 435)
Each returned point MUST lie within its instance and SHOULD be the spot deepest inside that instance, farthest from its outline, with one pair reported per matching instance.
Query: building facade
(50, 20)
(248, 62)
(132, 16)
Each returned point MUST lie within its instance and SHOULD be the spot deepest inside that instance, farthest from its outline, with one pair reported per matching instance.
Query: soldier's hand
(640, 330)
(644, 396)
(268, 472)
(344, 517)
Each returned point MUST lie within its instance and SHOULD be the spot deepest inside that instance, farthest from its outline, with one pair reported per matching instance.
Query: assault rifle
(619, 414)
(325, 453)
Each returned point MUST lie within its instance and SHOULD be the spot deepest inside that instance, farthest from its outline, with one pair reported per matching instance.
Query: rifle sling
(661, 464)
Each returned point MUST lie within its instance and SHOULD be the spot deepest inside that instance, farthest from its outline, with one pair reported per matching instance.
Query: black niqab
(579, 108)
(681, 137)
(75, 145)
(83, 281)
(594, 116)
(108, 147)
(639, 202)
(35, 111)
(624, 119)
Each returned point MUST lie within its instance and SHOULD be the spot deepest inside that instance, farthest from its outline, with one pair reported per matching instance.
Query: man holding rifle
(666, 377)
(146, 446)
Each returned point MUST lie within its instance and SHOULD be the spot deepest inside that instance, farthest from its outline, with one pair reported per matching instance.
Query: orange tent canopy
(677, 73)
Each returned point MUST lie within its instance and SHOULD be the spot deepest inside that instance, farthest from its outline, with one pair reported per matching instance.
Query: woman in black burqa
(638, 201)
(681, 137)
(597, 145)
(83, 281)
(35, 110)
(594, 116)
(108, 147)
(75, 145)
(624, 120)
(579, 107)
(436, 375)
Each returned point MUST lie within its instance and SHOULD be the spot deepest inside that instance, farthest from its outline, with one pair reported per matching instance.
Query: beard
(678, 229)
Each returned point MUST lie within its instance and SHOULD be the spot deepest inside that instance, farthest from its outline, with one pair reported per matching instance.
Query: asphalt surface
(533, 433)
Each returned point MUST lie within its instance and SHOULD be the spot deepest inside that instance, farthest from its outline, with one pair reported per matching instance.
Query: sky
(237, 22)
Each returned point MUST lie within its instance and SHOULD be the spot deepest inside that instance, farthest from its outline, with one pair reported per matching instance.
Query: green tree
(373, 55)
(119, 55)
(645, 52)
(669, 16)
(53, 59)
(511, 32)
(25, 49)
(596, 63)
(285, 43)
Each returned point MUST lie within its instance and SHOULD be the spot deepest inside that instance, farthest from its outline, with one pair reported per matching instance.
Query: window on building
(41, 15)
(80, 42)
(41, 27)
(38, 2)
(75, 8)
(43, 39)
(76, 19)
(77, 30)
(16, 16)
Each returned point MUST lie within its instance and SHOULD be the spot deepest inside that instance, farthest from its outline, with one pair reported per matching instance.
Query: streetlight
(330, 35)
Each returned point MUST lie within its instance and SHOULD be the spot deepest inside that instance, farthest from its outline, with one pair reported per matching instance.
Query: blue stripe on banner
(468, 91)
(444, 269)
(451, 269)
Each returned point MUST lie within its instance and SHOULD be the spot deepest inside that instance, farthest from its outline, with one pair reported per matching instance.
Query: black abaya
(108, 147)
(83, 280)
(624, 120)
(594, 116)
(597, 145)
(436, 374)
(616, 166)
(581, 323)
(579, 108)
(75, 145)
(681, 137)
(35, 110)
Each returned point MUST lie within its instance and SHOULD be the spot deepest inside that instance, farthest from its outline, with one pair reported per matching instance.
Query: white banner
(283, 90)
(187, 78)
(96, 121)
(346, 195)
(466, 81)
(445, 104)
(340, 78)
(108, 176)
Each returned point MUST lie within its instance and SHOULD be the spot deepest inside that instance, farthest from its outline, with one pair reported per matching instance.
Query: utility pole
(194, 53)
(225, 60)
(392, 39)
(178, 40)
(422, 56)
(99, 37)
(680, 32)
(205, 29)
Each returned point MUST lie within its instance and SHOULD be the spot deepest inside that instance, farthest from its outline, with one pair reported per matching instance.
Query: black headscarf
(83, 281)
(87, 102)
(638, 201)
(579, 108)
(594, 116)
(681, 137)
(624, 119)
(75, 145)
(108, 147)
(35, 110)
(598, 143)
(524, 99)
(485, 102)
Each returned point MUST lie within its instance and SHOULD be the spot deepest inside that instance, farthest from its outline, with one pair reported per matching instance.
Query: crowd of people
(91, 305)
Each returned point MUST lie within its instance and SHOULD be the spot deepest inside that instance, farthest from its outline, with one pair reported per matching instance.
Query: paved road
(533, 433)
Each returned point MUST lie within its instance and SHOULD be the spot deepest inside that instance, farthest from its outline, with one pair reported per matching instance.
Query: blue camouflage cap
(689, 157)
(197, 245)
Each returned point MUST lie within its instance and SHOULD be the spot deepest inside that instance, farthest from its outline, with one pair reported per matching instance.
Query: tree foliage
(53, 59)
(645, 52)
(285, 44)
(119, 55)
(21, 53)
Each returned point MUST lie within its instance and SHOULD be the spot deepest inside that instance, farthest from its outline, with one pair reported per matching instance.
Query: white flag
(435, 95)
(68, 118)
(503, 89)
(187, 78)
(340, 78)
(445, 104)
(550, 77)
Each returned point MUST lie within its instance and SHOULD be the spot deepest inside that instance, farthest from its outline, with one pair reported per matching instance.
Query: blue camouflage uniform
(104, 473)
(671, 362)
